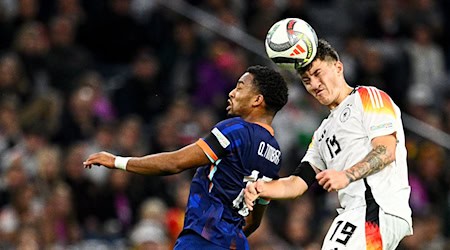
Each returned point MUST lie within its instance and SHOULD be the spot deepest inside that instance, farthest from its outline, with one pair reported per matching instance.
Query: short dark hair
(325, 52)
(271, 85)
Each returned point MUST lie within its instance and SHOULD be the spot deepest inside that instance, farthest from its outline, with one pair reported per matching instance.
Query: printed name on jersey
(269, 152)
(224, 142)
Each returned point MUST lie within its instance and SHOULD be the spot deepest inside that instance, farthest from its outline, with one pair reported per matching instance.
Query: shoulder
(372, 96)
(374, 100)
(235, 121)
(232, 125)
(370, 92)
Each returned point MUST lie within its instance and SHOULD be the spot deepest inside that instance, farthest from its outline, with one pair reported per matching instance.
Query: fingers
(100, 159)
(90, 161)
(250, 195)
(326, 180)
(322, 178)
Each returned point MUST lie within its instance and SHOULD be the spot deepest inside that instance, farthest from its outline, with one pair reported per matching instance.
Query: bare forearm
(157, 164)
(190, 156)
(376, 160)
(284, 188)
(168, 163)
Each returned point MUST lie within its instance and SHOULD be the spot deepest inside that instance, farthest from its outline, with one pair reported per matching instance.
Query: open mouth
(319, 92)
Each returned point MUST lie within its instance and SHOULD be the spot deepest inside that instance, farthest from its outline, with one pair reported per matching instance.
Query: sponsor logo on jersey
(385, 125)
(224, 142)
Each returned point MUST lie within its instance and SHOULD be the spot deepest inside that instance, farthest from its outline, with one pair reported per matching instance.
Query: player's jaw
(321, 95)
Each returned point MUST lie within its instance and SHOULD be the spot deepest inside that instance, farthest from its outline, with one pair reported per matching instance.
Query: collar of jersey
(267, 127)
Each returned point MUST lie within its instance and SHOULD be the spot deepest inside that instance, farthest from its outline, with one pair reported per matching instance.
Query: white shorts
(352, 230)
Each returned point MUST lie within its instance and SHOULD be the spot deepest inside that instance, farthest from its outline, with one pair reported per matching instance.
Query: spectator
(13, 81)
(427, 66)
(78, 120)
(384, 22)
(149, 232)
(59, 226)
(63, 73)
(31, 44)
(141, 92)
(23, 210)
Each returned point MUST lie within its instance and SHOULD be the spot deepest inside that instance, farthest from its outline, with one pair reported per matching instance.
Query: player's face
(322, 81)
(241, 97)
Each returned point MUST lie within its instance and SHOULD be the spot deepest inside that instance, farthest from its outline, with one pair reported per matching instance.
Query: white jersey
(344, 138)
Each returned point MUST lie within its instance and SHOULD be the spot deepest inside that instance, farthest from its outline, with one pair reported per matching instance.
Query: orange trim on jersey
(205, 147)
(376, 101)
(373, 236)
(266, 126)
(311, 144)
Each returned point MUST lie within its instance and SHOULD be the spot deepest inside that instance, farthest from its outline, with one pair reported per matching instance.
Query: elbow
(167, 166)
(171, 168)
(391, 157)
(300, 193)
(295, 187)
(173, 165)
(296, 194)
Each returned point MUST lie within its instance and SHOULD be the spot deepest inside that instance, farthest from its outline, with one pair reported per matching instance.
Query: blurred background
(135, 77)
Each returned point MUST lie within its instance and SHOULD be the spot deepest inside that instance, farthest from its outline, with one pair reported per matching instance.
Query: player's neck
(256, 117)
(346, 90)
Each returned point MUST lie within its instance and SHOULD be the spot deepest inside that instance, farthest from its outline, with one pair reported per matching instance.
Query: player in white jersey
(359, 151)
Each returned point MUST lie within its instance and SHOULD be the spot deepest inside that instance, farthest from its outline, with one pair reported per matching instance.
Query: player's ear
(259, 99)
(339, 67)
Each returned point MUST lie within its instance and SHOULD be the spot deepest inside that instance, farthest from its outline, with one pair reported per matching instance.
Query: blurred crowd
(133, 77)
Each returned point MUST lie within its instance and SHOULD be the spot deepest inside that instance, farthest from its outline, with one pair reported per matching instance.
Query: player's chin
(323, 101)
(231, 113)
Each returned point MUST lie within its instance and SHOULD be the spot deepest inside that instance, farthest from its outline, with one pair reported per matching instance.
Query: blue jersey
(239, 152)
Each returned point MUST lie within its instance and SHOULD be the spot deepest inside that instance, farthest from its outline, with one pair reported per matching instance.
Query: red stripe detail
(296, 52)
(373, 236)
(300, 48)
(290, 26)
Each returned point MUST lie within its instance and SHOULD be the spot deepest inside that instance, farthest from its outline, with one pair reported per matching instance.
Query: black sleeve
(305, 171)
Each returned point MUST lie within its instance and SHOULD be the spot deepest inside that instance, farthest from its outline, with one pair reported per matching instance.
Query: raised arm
(381, 155)
(166, 163)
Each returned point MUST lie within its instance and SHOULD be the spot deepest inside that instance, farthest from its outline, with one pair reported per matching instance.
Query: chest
(341, 133)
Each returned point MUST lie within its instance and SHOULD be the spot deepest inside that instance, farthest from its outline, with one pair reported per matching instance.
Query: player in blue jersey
(236, 152)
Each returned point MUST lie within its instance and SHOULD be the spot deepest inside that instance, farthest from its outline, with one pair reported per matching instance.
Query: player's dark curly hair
(325, 52)
(271, 85)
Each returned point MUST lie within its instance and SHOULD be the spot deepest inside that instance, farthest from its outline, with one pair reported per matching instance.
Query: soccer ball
(291, 43)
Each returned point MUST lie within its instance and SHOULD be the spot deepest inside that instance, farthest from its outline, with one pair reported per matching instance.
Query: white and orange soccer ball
(291, 43)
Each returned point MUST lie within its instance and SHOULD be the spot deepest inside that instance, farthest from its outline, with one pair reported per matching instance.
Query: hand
(332, 180)
(102, 158)
(251, 193)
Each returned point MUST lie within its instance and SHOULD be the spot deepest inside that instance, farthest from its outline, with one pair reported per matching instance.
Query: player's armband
(217, 146)
(305, 171)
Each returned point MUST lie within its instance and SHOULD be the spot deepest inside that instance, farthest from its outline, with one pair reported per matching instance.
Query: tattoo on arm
(375, 161)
